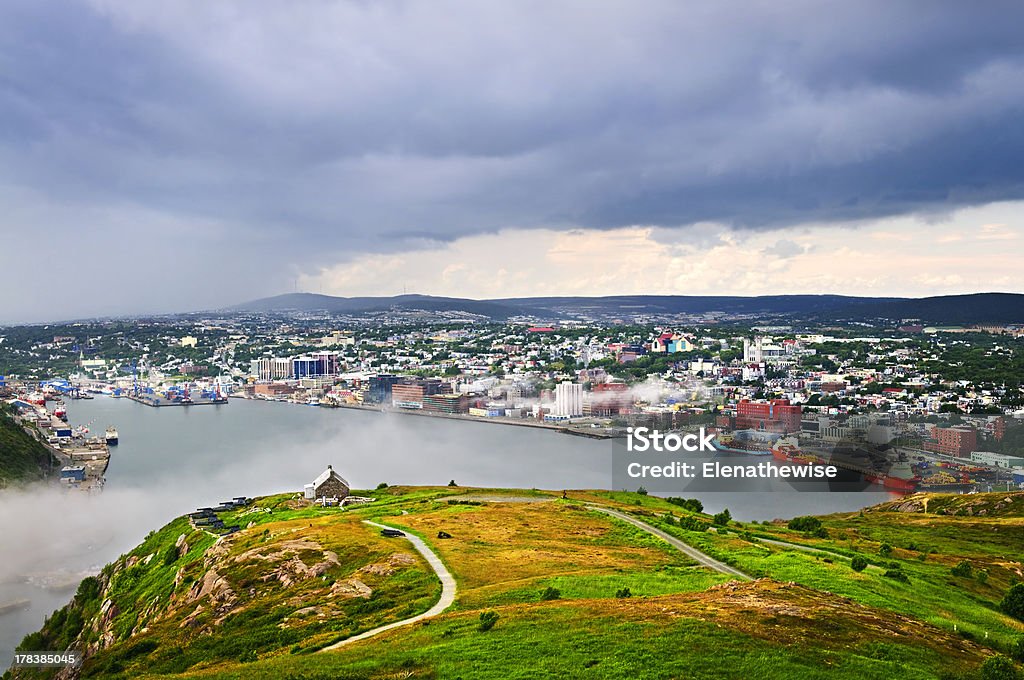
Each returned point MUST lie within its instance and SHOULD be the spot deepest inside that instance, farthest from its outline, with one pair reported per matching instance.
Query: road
(447, 590)
(702, 558)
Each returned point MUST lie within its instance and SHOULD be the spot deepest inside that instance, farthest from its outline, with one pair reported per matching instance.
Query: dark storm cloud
(290, 134)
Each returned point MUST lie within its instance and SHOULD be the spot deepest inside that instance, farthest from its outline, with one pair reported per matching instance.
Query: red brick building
(777, 415)
(957, 441)
(607, 399)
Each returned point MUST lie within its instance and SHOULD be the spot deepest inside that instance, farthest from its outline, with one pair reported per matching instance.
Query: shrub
(858, 563)
(452, 483)
(691, 523)
(1013, 602)
(804, 523)
(821, 532)
(896, 575)
(550, 593)
(623, 592)
(691, 504)
(384, 485)
(170, 555)
(982, 576)
(487, 621)
(885, 550)
(722, 518)
(1017, 649)
(963, 569)
(642, 491)
(998, 668)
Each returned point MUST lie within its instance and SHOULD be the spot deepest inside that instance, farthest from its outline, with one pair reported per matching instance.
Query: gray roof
(327, 474)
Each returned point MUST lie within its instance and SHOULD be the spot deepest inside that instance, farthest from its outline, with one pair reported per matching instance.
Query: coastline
(598, 433)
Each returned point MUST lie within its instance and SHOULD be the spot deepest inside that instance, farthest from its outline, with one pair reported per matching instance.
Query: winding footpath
(702, 558)
(445, 601)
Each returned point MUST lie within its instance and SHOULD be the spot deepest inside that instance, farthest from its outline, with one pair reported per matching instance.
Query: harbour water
(172, 460)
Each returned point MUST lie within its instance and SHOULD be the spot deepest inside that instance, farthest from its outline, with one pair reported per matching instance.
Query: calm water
(172, 460)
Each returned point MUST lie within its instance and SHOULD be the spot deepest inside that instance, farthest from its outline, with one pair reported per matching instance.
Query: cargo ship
(899, 477)
(61, 411)
(787, 450)
(733, 444)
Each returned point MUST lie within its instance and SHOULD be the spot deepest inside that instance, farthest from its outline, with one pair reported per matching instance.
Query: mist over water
(172, 460)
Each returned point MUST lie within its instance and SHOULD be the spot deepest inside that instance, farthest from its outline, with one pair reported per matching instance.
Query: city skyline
(160, 159)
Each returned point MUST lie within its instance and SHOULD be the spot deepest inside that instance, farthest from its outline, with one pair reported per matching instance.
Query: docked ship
(61, 411)
(732, 443)
(787, 450)
(900, 477)
(111, 436)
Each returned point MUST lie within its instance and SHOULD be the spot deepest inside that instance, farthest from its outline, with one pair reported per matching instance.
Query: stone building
(328, 485)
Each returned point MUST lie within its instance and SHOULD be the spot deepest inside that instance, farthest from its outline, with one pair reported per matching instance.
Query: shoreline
(599, 433)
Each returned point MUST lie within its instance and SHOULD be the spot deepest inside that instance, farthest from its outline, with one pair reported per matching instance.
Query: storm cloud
(247, 142)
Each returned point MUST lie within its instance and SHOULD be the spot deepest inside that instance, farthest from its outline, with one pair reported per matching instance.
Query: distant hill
(948, 309)
(944, 309)
(22, 458)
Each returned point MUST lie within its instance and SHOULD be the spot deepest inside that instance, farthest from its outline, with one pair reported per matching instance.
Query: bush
(1013, 602)
(452, 483)
(692, 523)
(550, 593)
(1017, 649)
(487, 621)
(804, 523)
(642, 491)
(858, 563)
(722, 518)
(998, 668)
(885, 550)
(896, 575)
(691, 504)
(170, 555)
(384, 485)
(623, 592)
(963, 569)
(821, 532)
(982, 576)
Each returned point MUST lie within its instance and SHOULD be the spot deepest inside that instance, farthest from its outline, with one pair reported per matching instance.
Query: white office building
(568, 399)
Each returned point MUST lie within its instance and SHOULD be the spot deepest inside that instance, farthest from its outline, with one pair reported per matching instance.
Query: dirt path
(702, 558)
(447, 590)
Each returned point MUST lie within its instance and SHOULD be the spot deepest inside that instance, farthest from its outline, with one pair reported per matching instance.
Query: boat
(111, 436)
(732, 444)
(787, 450)
(900, 477)
(61, 411)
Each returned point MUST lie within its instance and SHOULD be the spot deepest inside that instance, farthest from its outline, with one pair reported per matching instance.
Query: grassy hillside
(576, 593)
(22, 458)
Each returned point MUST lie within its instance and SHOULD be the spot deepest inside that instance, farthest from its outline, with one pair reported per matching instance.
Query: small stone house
(328, 485)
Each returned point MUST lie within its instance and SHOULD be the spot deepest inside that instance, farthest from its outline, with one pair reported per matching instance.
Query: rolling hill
(977, 308)
(550, 587)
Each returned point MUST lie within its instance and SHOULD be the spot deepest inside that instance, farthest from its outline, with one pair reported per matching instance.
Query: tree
(858, 563)
(885, 550)
(962, 569)
(722, 518)
(1013, 602)
(999, 668)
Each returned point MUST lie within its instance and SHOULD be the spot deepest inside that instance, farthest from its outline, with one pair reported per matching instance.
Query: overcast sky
(174, 155)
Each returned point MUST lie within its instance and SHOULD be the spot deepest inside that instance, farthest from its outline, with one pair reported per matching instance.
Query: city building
(777, 415)
(957, 441)
(379, 388)
(607, 399)
(568, 399)
(271, 368)
(316, 364)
